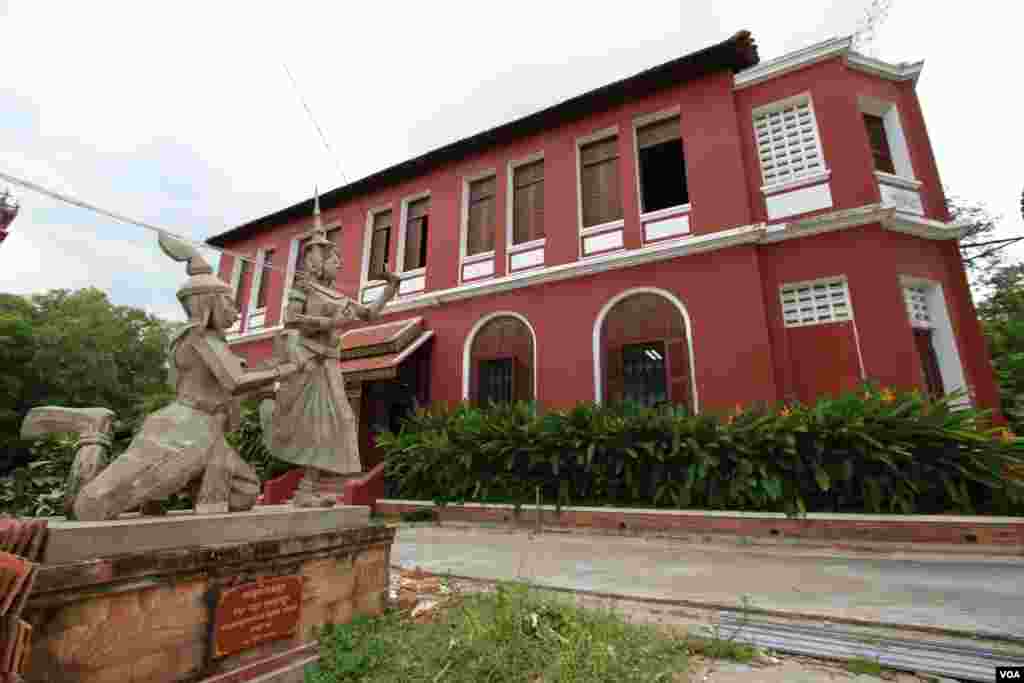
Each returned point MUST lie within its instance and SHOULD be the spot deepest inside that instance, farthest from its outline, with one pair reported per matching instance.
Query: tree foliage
(1002, 318)
(76, 349)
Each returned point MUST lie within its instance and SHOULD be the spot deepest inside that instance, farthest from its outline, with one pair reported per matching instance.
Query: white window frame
(510, 206)
(821, 174)
(403, 217)
(943, 338)
(236, 285)
(894, 135)
(364, 265)
(254, 290)
(465, 259)
(639, 123)
(581, 142)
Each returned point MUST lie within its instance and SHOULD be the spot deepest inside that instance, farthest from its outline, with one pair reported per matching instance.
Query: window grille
(496, 384)
(916, 297)
(788, 143)
(643, 370)
(813, 303)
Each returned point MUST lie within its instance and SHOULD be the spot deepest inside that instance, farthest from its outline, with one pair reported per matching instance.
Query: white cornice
(759, 233)
(794, 60)
(819, 52)
(924, 227)
(889, 217)
(748, 234)
(904, 71)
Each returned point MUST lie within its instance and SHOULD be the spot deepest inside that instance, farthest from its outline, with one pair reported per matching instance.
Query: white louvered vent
(811, 303)
(916, 297)
(788, 143)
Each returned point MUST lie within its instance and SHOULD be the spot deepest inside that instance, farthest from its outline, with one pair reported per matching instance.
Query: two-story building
(714, 231)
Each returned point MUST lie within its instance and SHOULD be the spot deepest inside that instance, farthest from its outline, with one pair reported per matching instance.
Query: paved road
(976, 594)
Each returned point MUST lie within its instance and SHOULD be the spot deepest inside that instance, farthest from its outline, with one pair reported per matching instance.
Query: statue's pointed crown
(319, 234)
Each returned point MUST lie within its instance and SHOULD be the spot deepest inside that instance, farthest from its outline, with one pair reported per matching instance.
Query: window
(480, 229)
(919, 311)
(661, 165)
(600, 189)
(643, 373)
(879, 143)
(416, 231)
(811, 303)
(496, 380)
(380, 242)
(261, 294)
(788, 144)
(528, 202)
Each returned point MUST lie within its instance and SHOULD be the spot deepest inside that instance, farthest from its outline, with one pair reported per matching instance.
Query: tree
(77, 349)
(981, 252)
(1002, 318)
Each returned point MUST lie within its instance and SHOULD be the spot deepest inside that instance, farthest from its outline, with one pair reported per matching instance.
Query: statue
(183, 444)
(311, 423)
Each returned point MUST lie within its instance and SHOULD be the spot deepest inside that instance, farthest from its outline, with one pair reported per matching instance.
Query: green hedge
(869, 451)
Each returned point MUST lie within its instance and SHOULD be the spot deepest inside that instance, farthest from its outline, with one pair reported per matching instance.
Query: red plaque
(255, 613)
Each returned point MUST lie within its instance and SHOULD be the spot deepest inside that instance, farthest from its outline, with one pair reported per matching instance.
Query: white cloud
(183, 113)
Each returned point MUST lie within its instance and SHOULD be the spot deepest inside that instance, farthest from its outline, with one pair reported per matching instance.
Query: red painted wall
(742, 352)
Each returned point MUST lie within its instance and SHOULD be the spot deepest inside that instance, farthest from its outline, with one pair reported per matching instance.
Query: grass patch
(862, 665)
(514, 634)
(721, 648)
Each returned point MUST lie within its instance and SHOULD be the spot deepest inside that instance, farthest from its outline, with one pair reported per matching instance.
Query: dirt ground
(422, 595)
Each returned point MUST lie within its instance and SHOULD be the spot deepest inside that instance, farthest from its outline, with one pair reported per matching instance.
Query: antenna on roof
(868, 26)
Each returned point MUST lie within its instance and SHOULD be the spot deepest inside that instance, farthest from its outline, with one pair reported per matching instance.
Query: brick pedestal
(146, 617)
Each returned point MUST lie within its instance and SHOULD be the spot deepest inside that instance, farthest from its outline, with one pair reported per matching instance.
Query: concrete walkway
(974, 594)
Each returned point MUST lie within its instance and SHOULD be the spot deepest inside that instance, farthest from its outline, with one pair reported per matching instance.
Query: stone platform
(77, 541)
(148, 599)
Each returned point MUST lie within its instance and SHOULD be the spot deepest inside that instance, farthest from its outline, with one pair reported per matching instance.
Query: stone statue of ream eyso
(310, 423)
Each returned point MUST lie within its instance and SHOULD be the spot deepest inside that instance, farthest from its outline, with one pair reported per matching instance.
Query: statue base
(213, 598)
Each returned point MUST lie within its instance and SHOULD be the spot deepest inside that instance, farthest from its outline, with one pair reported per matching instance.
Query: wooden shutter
(678, 372)
(380, 242)
(480, 230)
(599, 180)
(522, 382)
(931, 374)
(528, 216)
(615, 377)
(416, 234)
(264, 285)
(657, 133)
(879, 143)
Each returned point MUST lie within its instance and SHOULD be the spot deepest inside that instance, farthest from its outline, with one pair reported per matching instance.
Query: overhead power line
(67, 199)
(319, 130)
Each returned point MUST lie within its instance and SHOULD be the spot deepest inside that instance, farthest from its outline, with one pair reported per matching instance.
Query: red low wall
(1007, 532)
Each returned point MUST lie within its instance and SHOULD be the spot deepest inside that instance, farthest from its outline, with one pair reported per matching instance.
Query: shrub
(869, 451)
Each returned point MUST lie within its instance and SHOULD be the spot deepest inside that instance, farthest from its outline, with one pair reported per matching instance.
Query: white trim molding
(581, 142)
(464, 259)
(364, 265)
(403, 214)
(819, 52)
(759, 233)
(943, 338)
(467, 348)
(599, 324)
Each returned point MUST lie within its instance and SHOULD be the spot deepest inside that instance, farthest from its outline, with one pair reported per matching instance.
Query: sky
(182, 114)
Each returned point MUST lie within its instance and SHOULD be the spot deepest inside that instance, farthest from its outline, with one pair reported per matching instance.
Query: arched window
(500, 360)
(644, 351)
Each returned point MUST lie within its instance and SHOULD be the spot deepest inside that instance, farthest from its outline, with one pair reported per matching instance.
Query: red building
(715, 230)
